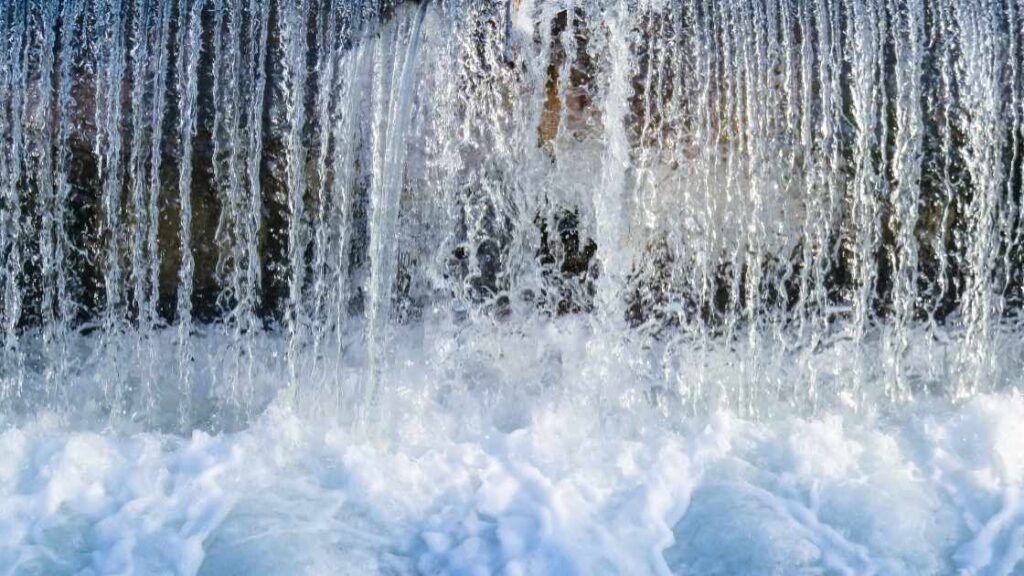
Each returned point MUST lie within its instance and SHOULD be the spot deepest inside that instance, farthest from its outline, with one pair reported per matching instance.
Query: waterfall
(392, 109)
(758, 204)
(188, 25)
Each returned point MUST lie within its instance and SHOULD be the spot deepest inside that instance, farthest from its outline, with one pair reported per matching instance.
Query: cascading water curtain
(776, 202)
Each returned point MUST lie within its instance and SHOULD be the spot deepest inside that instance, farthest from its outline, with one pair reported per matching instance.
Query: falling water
(760, 204)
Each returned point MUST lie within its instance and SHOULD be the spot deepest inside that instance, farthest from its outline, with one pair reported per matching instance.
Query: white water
(510, 465)
(936, 490)
(519, 287)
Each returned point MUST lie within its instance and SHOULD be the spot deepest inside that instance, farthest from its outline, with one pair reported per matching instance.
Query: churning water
(523, 286)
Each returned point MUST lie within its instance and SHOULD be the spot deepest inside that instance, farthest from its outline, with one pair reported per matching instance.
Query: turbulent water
(937, 491)
(524, 286)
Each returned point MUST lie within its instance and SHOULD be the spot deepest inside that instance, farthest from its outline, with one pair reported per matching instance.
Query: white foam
(934, 490)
